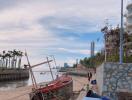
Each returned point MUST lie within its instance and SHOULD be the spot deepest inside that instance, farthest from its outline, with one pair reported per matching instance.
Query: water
(46, 77)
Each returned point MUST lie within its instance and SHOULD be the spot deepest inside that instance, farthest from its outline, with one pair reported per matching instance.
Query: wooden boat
(59, 89)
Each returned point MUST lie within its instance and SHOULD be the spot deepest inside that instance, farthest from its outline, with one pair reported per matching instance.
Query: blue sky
(63, 28)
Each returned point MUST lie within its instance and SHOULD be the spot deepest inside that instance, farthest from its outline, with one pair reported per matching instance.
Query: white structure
(129, 17)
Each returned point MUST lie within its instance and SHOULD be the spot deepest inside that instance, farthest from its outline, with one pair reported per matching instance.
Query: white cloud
(78, 51)
(20, 25)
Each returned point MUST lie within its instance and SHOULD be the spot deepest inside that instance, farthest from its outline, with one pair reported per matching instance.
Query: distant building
(92, 48)
(66, 65)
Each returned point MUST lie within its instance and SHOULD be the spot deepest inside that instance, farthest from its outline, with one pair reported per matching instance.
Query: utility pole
(31, 72)
(121, 34)
(107, 25)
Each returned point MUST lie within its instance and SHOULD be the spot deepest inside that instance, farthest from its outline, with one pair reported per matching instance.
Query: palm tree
(20, 54)
(9, 59)
(6, 60)
(14, 53)
(16, 60)
(12, 60)
(3, 59)
(9, 55)
(0, 60)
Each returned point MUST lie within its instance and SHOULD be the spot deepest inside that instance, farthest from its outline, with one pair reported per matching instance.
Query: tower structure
(112, 40)
(92, 48)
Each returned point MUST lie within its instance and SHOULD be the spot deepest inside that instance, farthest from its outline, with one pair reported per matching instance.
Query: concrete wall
(115, 78)
(99, 75)
(13, 74)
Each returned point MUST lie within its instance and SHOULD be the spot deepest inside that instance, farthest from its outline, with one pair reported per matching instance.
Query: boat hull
(60, 89)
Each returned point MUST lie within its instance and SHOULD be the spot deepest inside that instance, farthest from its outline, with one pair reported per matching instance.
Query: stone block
(105, 88)
(114, 72)
(121, 67)
(108, 76)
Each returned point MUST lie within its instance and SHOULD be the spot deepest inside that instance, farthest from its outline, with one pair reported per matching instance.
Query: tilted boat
(59, 89)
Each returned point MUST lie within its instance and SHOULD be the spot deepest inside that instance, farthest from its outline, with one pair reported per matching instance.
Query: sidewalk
(93, 87)
(82, 94)
(84, 91)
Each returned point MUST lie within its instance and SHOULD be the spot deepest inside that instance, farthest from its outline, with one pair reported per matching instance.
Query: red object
(60, 87)
(56, 84)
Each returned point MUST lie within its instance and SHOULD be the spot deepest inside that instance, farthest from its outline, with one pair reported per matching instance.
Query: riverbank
(22, 92)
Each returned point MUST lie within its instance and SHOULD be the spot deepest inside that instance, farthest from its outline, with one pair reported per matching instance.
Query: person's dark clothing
(92, 95)
(89, 76)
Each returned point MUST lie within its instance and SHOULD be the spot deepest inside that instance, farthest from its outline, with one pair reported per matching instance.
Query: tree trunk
(15, 63)
(19, 63)
(12, 63)
(9, 62)
(6, 63)
(3, 62)
(0, 63)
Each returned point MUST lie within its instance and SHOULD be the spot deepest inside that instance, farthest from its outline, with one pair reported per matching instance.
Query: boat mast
(31, 72)
(50, 68)
(40, 63)
(55, 63)
(56, 66)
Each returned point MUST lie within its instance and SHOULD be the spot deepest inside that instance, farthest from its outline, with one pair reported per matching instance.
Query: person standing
(88, 75)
